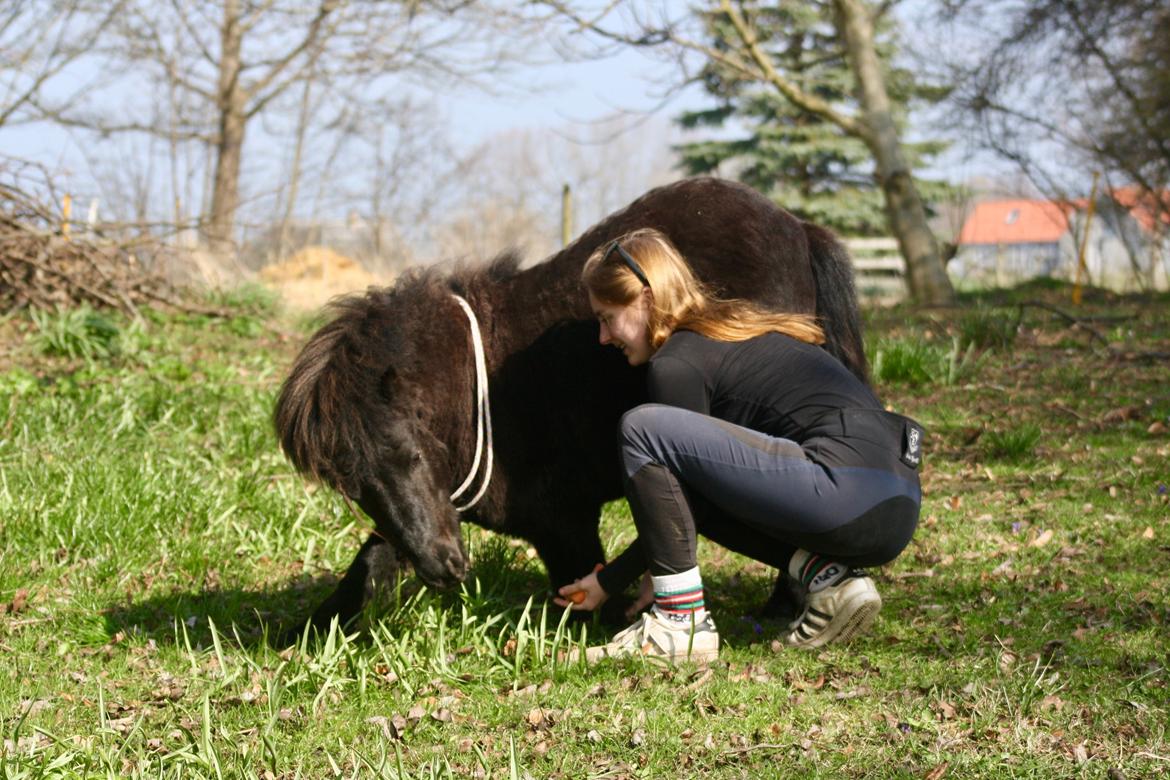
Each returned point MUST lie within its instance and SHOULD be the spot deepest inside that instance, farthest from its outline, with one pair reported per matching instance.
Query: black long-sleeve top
(772, 383)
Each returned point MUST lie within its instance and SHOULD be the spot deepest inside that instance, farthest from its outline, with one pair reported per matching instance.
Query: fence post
(1081, 267)
(91, 217)
(66, 213)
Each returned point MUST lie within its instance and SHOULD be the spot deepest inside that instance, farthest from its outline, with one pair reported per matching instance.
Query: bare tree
(1066, 87)
(233, 61)
(509, 189)
(39, 40)
(871, 118)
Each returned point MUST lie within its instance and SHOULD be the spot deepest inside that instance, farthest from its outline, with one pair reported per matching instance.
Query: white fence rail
(878, 269)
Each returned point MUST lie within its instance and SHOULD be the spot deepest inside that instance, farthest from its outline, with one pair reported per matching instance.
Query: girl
(755, 437)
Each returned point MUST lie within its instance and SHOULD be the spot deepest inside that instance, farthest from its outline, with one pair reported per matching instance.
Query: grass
(153, 537)
(911, 361)
(1014, 444)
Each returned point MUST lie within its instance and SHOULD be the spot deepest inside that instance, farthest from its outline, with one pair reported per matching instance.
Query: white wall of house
(1119, 255)
(984, 265)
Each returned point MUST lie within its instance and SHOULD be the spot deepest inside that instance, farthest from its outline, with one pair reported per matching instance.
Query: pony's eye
(416, 457)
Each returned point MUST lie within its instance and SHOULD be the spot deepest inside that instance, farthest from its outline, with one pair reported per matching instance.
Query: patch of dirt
(315, 274)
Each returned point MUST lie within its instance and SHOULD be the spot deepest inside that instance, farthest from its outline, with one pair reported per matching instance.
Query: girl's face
(626, 327)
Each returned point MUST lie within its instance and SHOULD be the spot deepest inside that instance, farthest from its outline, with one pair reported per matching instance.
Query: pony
(381, 404)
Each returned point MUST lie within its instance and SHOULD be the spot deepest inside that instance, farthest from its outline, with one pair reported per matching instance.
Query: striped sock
(679, 597)
(815, 572)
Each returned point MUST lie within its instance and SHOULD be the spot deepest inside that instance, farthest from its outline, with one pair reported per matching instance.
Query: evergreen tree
(807, 164)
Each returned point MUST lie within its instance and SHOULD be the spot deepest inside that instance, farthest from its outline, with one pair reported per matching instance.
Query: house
(1007, 241)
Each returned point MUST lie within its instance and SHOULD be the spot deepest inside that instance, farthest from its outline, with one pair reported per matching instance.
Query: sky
(574, 93)
(632, 84)
(565, 100)
(551, 97)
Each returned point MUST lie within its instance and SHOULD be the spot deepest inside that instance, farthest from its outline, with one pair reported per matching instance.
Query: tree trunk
(927, 278)
(231, 104)
(295, 174)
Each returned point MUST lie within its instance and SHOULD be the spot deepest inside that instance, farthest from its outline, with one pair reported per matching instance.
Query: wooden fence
(878, 269)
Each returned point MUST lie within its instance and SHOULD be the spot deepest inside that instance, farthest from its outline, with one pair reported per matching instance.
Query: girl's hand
(585, 594)
(645, 598)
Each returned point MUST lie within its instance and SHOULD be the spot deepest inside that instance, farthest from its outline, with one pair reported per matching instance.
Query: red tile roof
(1015, 222)
(1142, 206)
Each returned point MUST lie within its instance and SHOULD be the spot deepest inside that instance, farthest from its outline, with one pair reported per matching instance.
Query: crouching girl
(754, 437)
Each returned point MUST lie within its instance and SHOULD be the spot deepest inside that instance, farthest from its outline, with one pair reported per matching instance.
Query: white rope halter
(483, 417)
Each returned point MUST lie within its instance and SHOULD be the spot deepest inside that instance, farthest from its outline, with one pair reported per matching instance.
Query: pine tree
(805, 163)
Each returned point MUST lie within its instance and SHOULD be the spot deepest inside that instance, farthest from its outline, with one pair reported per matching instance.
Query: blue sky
(561, 99)
(572, 93)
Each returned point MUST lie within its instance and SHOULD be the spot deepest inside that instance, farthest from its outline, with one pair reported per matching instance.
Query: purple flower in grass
(755, 625)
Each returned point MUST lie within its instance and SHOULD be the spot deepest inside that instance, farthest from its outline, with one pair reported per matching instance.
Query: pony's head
(366, 409)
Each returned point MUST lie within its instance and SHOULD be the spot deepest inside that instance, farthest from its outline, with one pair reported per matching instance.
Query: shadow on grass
(278, 616)
(1044, 622)
(254, 616)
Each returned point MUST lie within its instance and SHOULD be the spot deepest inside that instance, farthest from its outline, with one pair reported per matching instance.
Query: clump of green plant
(250, 305)
(903, 361)
(249, 298)
(76, 333)
(914, 363)
(987, 328)
(1016, 444)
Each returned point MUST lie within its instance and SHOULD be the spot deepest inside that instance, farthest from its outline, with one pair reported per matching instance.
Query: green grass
(1014, 444)
(152, 536)
(915, 362)
(989, 328)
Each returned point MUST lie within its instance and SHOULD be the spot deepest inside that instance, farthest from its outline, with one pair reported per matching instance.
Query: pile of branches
(43, 266)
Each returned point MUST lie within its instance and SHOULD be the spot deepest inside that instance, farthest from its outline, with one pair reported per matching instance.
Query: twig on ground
(752, 748)
(1147, 754)
(38, 263)
(42, 267)
(1062, 408)
(1074, 321)
(130, 307)
(1081, 323)
(190, 308)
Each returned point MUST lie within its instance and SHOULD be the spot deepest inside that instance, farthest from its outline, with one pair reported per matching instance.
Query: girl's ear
(648, 297)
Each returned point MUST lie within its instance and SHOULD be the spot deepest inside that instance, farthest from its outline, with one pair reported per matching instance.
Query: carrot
(579, 596)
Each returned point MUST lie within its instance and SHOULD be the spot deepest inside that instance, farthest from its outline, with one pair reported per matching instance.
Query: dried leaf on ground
(937, 773)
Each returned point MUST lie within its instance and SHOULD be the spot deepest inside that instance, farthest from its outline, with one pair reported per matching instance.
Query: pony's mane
(326, 415)
(467, 276)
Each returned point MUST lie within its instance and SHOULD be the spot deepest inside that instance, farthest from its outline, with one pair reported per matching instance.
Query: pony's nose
(456, 565)
(459, 566)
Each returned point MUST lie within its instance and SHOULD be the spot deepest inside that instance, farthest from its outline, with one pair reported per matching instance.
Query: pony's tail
(837, 300)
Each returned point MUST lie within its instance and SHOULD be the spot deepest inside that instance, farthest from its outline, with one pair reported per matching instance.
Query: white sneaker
(657, 637)
(837, 614)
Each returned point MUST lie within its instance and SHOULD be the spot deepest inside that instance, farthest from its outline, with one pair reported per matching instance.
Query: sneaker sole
(596, 654)
(852, 619)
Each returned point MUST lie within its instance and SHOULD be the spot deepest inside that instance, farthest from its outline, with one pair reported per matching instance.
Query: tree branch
(200, 46)
(792, 92)
(1089, 41)
(323, 11)
(60, 56)
(59, 116)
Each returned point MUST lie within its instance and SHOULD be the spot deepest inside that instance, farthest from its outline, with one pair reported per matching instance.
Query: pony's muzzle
(445, 568)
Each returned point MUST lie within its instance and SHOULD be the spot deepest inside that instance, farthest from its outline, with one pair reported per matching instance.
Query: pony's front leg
(375, 565)
(571, 550)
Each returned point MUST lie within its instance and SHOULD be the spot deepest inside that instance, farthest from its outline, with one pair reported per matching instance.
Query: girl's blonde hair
(680, 300)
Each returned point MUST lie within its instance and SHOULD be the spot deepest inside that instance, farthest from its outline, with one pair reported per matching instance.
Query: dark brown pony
(379, 405)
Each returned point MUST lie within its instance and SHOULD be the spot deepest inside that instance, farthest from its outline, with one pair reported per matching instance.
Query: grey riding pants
(760, 495)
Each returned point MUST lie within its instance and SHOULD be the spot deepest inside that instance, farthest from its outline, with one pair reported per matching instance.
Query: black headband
(629, 261)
